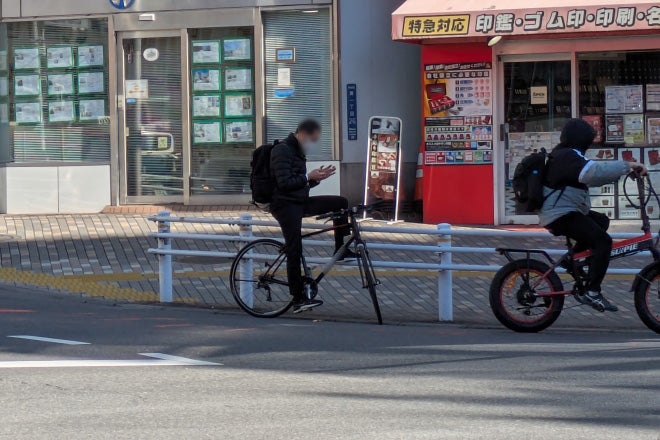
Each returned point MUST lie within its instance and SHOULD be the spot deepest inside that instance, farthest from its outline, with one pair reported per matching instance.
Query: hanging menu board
(458, 124)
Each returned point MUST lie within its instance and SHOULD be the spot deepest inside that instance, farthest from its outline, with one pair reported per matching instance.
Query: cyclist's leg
(589, 234)
(318, 205)
(290, 216)
(601, 220)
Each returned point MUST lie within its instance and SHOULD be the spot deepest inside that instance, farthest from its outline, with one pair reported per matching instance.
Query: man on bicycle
(291, 202)
(566, 209)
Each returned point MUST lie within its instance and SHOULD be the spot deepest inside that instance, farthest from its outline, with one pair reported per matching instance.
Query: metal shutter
(311, 74)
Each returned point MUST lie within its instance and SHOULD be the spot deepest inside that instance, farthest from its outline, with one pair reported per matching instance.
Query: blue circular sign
(122, 4)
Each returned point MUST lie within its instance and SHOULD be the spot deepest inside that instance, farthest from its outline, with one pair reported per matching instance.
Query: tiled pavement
(105, 255)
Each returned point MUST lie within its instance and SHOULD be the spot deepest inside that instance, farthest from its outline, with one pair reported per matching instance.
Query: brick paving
(110, 249)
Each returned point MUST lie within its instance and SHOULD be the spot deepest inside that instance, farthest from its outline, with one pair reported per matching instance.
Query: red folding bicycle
(527, 295)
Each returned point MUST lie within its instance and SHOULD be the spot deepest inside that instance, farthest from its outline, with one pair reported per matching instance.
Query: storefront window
(299, 74)
(54, 92)
(619, 95)
(222, 110)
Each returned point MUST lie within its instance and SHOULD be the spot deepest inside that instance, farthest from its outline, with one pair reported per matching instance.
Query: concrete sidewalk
(105, 255)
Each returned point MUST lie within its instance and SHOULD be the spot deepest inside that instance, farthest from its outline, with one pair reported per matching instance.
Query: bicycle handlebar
(354, 211)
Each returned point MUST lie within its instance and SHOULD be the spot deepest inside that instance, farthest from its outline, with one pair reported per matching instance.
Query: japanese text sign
(523, 22)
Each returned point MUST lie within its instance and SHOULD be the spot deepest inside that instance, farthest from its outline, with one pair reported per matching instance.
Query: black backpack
(262, 183)
(528, 181)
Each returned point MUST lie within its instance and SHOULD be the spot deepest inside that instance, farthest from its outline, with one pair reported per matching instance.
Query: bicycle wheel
(513, 297)
(258, 279)
(370, 281)
(647, 297)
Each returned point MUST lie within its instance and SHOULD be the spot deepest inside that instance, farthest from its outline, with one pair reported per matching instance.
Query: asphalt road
(174, 373)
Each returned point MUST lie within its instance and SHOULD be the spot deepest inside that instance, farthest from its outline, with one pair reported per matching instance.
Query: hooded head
(577, 134)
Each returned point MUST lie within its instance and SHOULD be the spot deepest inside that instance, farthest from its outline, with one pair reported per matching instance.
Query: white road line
(180, 360)
(55, 341)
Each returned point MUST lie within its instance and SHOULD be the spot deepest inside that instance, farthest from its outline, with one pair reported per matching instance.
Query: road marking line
(88, 363)
(55, 341)
(178, 359)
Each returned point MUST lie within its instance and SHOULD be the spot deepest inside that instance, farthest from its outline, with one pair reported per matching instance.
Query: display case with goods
(619, 95)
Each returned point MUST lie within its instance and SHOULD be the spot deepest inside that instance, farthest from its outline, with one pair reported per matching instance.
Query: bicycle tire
(234, 279)
(554, 308)
(371, 283)
(642, 297)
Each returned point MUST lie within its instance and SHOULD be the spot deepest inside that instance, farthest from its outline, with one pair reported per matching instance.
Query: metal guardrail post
(445, 295)
(246, 266)
(164, 261)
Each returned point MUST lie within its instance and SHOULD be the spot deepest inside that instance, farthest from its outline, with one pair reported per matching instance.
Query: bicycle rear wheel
(647, 297)
(258, 279)
(370, 281)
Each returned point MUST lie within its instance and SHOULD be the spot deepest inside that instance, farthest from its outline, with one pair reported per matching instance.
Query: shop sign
(517, 22)
(539, 95)
(122, 4)
(351, 111)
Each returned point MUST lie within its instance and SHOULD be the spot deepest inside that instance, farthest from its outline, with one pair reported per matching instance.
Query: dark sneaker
(348, 256)
(597, 301)
(305, 305)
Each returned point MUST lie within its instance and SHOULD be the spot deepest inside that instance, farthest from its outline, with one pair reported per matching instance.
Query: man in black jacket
(291, 202)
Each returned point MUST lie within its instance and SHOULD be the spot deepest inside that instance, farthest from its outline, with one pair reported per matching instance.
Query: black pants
(289, 215)
(590, 232)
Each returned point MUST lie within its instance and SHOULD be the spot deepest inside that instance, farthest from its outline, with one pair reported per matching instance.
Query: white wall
(52, 190)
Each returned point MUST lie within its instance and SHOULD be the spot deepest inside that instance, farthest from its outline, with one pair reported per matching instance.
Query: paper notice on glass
(238, 105)
(206, 52)
(237, 49)
(27, 85)
(28, 112)
(89, 56)
(137, 89)
(633, 129)
(60, 84)
(91, 82)
(284, 77)
(207, 132)
(206, 106)
(539, 95)
(239, 132)
(624, 99)
(3, 59)
(4, 112)
(4, 86)
(206, 80)
(614, 129)
(653, 97)
(26, 58)
(238, 79)
(60, 111)
(92, 109)
(653, 127)
(59, 57)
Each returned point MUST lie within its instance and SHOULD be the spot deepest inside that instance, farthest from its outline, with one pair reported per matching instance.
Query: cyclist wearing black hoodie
(567, 207)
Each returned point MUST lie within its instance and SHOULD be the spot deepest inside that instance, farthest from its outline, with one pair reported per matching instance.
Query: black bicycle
(258, 276)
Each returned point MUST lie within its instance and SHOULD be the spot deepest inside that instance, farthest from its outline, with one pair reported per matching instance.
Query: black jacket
(288, 165)
(564, 167)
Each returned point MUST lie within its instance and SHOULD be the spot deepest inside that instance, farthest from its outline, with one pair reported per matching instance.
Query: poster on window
(238, 79)
(58, 57)
(92, 109)
(383, 160)
(26, 58)
(92, 82)
(4, 86)
(207, 132)
(28, 112)
(653, 97)
(206, 80)
(239, 132)
(653, 129)
(90, 56)
(614, 125)
(4, 112)
(236, 49)
(60, 84)
(624, 99)
(206, 52)
(596, 122)
(27, 85)
(633, 129)
(205, 106)
(60, 111)
(238, 105)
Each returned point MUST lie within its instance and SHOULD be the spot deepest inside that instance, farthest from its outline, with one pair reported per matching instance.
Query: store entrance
(536, 103)
(150, 117)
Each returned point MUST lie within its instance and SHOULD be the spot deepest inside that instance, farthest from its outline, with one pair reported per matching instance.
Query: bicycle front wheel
(370, 281)
(258, 279)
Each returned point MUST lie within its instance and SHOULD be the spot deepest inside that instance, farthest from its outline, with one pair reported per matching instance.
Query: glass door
(150, 97)
(537, 102)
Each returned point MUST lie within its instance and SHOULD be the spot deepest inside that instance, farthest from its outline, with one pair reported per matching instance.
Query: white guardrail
(443, 250)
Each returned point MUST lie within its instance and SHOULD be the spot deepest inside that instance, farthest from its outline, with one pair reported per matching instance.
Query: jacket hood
(577, 134)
